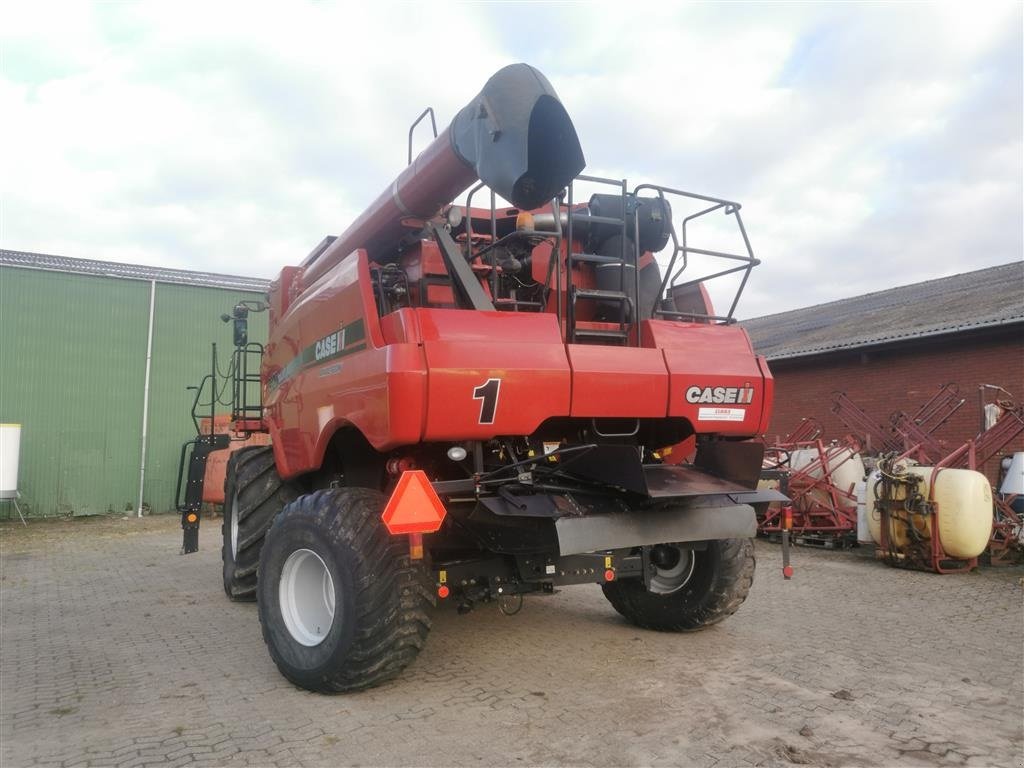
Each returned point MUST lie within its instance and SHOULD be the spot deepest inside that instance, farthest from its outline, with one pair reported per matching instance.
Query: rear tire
(719, 579)
(341, 604)
(253, 495)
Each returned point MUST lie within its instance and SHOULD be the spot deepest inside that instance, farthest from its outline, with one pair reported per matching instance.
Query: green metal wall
(186, 320)
(72, 373)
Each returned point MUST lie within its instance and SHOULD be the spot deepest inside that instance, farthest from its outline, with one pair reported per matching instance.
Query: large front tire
(341, 604)
(253, 495)
(699, 589)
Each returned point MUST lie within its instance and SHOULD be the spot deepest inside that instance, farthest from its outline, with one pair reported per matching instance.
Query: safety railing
(682, 249)
(569, 217)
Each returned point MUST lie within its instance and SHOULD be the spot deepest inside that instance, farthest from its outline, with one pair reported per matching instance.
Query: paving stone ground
(115, 650)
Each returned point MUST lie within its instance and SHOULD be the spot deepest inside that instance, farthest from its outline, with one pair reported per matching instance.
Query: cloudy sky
(871, 145)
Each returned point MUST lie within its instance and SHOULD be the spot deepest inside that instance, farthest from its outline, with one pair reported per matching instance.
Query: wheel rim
(666, 580)
(307, 597)
(234, 527)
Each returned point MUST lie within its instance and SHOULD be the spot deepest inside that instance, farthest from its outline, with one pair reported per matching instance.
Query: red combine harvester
(472, 404)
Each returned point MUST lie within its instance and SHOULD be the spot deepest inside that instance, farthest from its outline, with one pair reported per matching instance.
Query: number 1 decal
(487, 393)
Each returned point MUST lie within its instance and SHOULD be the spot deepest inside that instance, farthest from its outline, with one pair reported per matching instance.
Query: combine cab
(474, 403)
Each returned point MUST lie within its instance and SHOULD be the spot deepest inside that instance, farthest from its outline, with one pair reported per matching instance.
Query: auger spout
(515, 136)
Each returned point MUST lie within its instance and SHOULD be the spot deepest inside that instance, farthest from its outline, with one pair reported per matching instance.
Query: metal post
(787, 526)
(570, 318)
(556, 258)
(145, 394)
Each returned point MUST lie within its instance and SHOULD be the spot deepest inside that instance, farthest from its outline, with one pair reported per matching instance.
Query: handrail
(433, 124)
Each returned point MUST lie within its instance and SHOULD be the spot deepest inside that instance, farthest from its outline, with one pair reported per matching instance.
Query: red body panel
(437, 374)
(217, 461)
(379, 389)
(768, 398)
(719, 361)
(631, 382)
(466, 349)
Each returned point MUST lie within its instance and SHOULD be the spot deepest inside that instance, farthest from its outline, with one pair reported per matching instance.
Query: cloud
(870, 145)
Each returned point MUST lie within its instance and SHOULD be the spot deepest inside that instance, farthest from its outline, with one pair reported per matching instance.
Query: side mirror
(241, 330)
(240, 316)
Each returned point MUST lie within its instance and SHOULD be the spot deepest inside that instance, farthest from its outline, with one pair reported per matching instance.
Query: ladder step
(596, 258)
(507, 304)
(590, 333)
(591, 293)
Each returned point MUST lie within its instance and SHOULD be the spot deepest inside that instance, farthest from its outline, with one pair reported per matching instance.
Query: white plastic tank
(846, 469)
(10, 448)
(1014, 480)
(863, 529)
(964, 500)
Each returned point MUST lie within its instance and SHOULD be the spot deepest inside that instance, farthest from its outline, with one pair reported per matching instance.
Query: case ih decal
(351, 338)
(721, 414)
(721, 395)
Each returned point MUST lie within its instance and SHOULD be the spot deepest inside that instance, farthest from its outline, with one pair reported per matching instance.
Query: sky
(870, 145)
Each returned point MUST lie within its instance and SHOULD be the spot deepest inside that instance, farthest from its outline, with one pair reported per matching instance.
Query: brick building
(892, 350)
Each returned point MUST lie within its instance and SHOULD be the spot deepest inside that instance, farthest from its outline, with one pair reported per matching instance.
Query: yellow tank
(964, 498)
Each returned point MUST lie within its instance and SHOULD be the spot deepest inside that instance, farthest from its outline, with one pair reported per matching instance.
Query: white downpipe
(145, 394)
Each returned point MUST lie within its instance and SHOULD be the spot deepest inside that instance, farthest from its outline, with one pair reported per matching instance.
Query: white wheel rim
(306, 593)
(234, 527)
(665, 581)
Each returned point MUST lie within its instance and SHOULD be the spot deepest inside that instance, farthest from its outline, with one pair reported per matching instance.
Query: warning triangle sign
(414, 507)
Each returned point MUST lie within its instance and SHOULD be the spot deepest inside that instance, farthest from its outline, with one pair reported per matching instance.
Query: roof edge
(892, 341)
(44, 262)
(860, 296)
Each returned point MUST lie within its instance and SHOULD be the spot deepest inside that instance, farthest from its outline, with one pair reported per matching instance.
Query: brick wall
(902, 377)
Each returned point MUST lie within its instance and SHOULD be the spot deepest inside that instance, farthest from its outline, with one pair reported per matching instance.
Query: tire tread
(729, 585)
(392, 598)
(261, 496)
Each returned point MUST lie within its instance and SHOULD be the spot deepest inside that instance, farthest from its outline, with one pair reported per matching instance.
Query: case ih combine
(481, 403)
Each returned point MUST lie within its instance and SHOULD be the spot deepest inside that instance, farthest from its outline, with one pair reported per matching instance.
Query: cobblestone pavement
(114, 650)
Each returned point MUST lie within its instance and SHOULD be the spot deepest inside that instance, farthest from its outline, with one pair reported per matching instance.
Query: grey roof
(50, 263)
(982, 299)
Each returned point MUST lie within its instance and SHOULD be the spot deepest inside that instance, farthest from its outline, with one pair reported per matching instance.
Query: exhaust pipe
(515, 136)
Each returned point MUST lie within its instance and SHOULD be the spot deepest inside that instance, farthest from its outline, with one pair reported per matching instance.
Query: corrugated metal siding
(72, 369)
(72, 377)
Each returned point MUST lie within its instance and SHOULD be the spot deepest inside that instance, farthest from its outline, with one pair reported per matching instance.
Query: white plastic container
(1014, 480)
(863, 529)
(10, 448)
(845, 467)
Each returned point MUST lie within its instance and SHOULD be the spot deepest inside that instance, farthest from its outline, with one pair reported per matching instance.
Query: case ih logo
(329, 345)
(739, 395)
(340, 343)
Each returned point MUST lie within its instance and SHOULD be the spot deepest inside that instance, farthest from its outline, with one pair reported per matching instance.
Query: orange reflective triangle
(414, 507)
